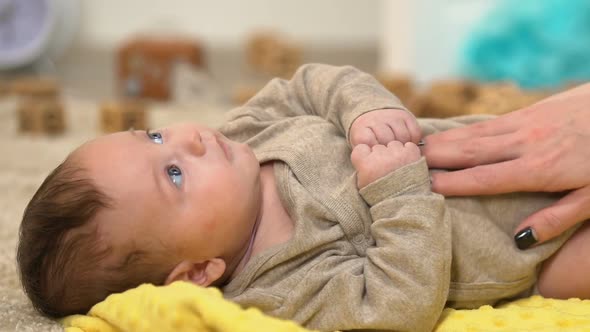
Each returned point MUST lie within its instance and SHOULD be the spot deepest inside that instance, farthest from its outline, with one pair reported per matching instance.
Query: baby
(312, 203)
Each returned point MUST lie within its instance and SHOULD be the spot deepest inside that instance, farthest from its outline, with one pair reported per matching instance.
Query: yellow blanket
(185, 307)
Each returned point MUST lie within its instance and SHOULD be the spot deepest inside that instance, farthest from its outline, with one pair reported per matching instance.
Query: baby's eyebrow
(133, 132)
(156, 178)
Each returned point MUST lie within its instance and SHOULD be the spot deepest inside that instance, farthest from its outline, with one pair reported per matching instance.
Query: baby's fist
(383, 126)
(373, 163)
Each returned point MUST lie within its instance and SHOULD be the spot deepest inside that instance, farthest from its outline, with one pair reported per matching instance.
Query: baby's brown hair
(61, 256)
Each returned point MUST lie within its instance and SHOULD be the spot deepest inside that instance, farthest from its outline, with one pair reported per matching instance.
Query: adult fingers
(472, 152)
(552, 221)
(504, 177)
(498, 126)
(363, 135)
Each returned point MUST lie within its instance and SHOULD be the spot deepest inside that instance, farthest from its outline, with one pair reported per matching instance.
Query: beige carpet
(24, 163)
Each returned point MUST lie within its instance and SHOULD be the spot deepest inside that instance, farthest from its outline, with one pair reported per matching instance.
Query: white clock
(34, 30)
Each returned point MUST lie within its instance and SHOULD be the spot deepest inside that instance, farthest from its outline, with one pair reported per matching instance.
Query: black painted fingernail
(525, 238)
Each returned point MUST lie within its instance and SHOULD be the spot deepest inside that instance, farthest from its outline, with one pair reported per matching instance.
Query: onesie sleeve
(337, 94)
(402, 282)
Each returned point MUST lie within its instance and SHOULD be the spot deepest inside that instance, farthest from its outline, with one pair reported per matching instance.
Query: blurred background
(441, 57)
(74, 69)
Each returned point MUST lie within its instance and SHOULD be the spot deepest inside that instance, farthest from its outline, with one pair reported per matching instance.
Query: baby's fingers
(412, 149)
(405, 153)
(400, 131)
(359, 153)
(414, 130)
(384, 133)
(363, 135)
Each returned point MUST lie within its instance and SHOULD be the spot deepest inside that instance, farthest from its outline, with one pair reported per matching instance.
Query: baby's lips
(211, 140)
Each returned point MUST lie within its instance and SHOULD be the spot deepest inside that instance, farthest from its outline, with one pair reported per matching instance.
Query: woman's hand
(544, 147)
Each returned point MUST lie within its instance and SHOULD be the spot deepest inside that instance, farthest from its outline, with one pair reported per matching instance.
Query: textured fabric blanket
(185, 307)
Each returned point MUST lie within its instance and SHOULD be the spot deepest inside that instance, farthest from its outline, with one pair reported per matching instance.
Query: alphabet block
(41, 116)
(145, 65)
(122, 115)
(35, 87)
(274, 55)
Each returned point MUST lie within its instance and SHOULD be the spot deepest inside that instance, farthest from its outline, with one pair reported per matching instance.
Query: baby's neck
(274, 226)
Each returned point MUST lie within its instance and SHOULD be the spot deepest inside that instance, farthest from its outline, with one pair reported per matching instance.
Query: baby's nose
(194, 144)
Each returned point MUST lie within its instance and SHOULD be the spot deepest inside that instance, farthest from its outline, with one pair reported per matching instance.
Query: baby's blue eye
(155, 136)
(175, 175)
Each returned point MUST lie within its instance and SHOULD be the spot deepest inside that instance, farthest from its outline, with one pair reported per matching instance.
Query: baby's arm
(338, 94)
(401, 281)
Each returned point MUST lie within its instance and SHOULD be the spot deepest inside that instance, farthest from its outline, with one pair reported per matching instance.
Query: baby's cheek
(210, 226)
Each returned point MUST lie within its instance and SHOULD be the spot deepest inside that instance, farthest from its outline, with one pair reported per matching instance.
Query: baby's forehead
(87, 147)
(105, 145)
(108, 139)
(111, 159)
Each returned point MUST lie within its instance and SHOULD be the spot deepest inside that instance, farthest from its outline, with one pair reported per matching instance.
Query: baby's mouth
(224, 146)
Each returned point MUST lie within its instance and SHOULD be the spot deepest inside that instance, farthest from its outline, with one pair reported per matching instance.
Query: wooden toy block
(35, 87)
(243, 93)
(145, 65)
(273, 55)
(122, 115)
(41, 116)
(501, 98)
(417, 104)
(284, 61)
(448, 98)
(4, 88)
(257, 46)
(399, 85)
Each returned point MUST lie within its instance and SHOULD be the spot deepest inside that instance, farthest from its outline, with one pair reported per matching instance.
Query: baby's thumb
(359, 153)
(550, 222)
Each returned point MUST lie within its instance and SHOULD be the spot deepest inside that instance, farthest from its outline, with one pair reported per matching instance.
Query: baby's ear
(202, 273)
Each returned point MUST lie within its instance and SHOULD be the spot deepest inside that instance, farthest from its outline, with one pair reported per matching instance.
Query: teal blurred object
(535, 43)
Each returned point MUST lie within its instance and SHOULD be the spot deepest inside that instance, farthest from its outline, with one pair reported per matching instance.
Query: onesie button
(358, 239)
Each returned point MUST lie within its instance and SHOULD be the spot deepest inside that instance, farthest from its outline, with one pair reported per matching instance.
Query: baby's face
(185, 188)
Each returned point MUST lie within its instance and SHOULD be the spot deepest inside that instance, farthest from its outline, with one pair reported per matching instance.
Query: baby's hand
(384, 126)
(372, 163)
